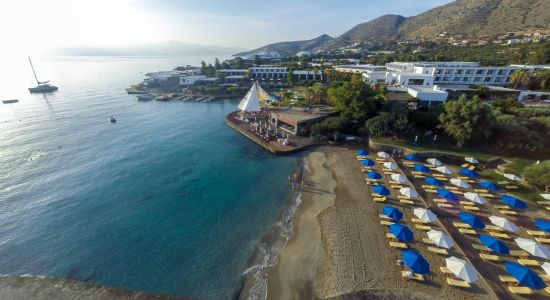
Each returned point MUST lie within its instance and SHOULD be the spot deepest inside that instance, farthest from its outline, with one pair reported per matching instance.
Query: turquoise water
(168, 200)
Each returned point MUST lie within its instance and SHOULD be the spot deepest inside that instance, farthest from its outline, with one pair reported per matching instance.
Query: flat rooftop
(466, 87)
(427, 90)
(302, 113)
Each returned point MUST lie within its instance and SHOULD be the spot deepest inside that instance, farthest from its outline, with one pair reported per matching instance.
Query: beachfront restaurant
(298, 120)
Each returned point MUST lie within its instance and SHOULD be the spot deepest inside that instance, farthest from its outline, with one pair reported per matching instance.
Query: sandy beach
(339, 249)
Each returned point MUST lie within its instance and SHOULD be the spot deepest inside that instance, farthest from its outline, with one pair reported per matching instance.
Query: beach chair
(403, 201)
(543, 202)
(413, 276)
(467, 231)
(379, 199)
(462, 177)
(511, 187)
(481, 248)
(403, 197)
(471, 208)
(481, 190)
(428, 241)
(528, 262)
(418, 221)
(500, 235)
(542, 240)
(519, 253)
(445, 270)
(466, 202)
(545, 278)
(394, 186)
(444, 205)
(452, 188)
(461, 225)
(391, 236)
(432, 191)
(383, 216)
(503, 182)
(487, 195)
(490, 257)
(394, 182)
(497, 206)
(386, 223)
(536, 233)
(458, 283)
(419, 176)
(493, 228)
(465, 165)
(423, 227)
(472, 167)
(507, 279)
(440, 251)
(521, 290)
(508, 212)
(399, 245)
(437, 200)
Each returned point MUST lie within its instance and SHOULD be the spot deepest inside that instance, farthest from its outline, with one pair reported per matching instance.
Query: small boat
(41, 86)
(112, 119)
(9, 101)
(145, 97)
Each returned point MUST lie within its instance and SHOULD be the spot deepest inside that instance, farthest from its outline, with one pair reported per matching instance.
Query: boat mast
(32, 67)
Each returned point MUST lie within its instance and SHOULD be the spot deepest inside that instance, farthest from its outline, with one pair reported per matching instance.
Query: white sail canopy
(252, 99)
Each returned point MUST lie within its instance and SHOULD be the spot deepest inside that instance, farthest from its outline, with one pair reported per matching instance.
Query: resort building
(307, 75)
(190, 80)
(299, 120)
(358, 69)
(232, 72)
(268, 72)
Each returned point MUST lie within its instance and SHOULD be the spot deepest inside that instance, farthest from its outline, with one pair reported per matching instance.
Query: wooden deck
(296, 143)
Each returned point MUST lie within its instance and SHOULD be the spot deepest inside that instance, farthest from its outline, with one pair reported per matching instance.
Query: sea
(168, 200)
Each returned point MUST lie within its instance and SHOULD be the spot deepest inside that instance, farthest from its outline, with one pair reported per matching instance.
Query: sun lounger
(519, 253)
(511, 187)
(471, 208)
(481, 248)
(467, 231)
(500, 235)
(481, 190)
(390, 236)
(428, 241)
(437, 200)
(462, 177)
(403, 201)
(508, 212)
(379, 199)
(427, 186)
(493, 228)
(465, 165)
(465, 202)
(383, 216)
(438, 250)
(395, 182)
(461, 225)
(470, 180)
(529, 262)
(490, 257)
(386, 223)
(399, 245)
(536, 233)
(394, 186)
(423, 227)
(453, 188)
(503, 182)
(413, 276)
(377, 196)
(545, 278)
(507, 279)
(542, 240)
(431, 191)
(416, 220)
(445, 205)
(403, 197)
(521, 290)
(497, 206)
(458, 283)
(419, 176)
(416, 172)
(445, 270)
(487, 195)
(472, 167)
(543, 202)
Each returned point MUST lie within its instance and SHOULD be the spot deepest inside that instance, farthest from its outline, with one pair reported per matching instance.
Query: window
(479, 72)
(487, 79)
(438, 79)
(458, 72)
(477, 79)
(416, 82)
(446, 78)
(490, 72)
(468, 72)
(465, 79)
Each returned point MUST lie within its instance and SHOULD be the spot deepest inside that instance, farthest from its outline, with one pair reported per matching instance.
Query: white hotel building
(268, 72)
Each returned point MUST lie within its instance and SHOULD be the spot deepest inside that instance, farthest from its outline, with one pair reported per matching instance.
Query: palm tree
(519, 79)
(543, 77)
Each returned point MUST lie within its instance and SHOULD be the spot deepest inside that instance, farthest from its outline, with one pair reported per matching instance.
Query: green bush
(538, 175)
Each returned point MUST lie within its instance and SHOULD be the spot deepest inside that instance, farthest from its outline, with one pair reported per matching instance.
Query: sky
(27, 25)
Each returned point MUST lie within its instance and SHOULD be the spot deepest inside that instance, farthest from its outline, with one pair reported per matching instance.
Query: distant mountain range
(159, 49)
(464, 18)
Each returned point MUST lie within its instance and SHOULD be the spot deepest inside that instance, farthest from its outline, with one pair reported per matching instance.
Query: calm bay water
(168, 200)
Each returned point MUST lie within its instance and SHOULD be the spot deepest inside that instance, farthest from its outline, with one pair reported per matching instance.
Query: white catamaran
(41, 86)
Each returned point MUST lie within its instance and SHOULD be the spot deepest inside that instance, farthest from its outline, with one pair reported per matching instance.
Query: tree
(393, 122)
(538, 175)
(542, 54)
(543, 79)
(257, 60)
(353, 100)
(290, 77)
(238, 63)
(217, 64)
(506, 105)
(467, 120)
(203, 67)
(519, 79)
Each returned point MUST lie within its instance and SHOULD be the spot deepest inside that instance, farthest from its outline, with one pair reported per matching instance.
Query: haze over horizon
(29, 26)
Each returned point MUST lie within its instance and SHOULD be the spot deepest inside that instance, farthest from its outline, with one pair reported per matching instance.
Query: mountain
(291, 48)
(464, 18)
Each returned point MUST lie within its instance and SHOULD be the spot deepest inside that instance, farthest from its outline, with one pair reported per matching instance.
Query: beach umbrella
(494, 244)
(490, 185)
(472, 220)
(546, 267)
(399, 178)
(447, 194)
(471, 160)
(408, 192)
(444, 170)
(545, 196)
(461, 183)
(381, 190)
(434, 161)
(416, 262)
(543, 225)
(401, 232)
(533, 248)
(474, 197)
(503, 223)
(383, 154)
(390, 165)
(367, 163)
(441, 239)
(469, 173)
(512, 177)
(393, 213)
(412, 157)
(525, 275)
(421, 168)
(461, 269)
(362, 152)
(374, 175)
(513, 202)
(425, 215)
(433, 181)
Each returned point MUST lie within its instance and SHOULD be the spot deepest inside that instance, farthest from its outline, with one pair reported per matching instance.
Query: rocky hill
(464, 18)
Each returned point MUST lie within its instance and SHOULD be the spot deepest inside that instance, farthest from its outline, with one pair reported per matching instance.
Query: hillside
(461, 18)
(291, 48)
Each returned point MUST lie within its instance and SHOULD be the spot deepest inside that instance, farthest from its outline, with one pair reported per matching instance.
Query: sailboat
(41, 86)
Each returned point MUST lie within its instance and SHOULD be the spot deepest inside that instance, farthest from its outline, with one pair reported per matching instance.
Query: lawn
(524, 192)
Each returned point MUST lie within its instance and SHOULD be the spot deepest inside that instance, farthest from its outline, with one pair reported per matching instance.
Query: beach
(339, 249)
